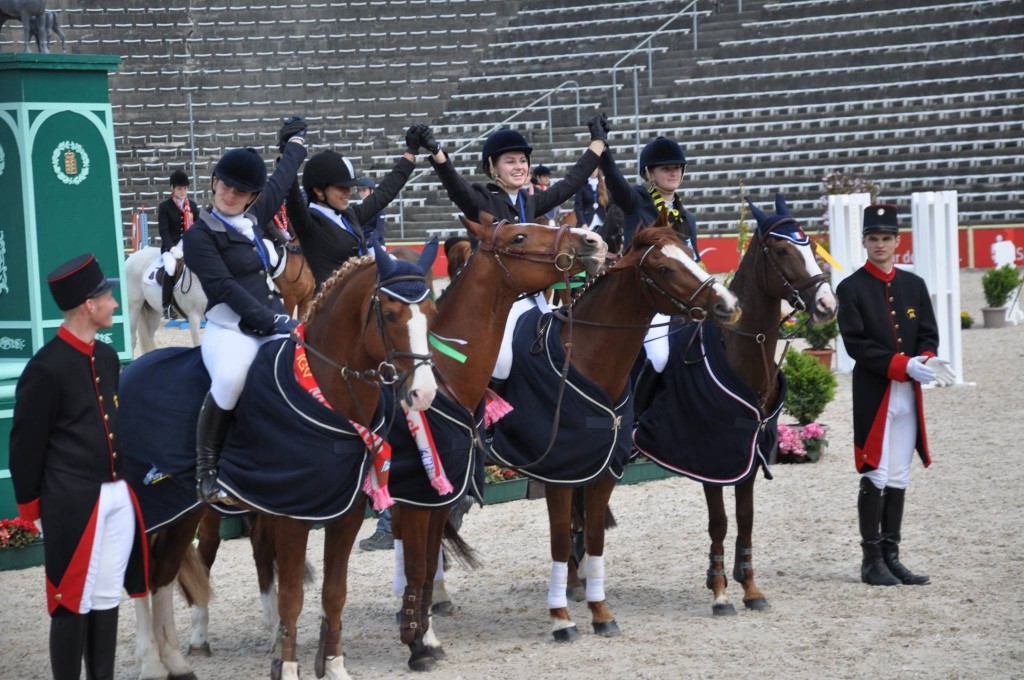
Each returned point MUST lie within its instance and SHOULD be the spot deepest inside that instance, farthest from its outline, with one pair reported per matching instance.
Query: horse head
(404, 309)
(674, 282)
(790, 270)
(520, 248)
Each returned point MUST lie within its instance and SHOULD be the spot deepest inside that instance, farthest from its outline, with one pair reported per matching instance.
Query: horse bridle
(563, 262)
(793, 289)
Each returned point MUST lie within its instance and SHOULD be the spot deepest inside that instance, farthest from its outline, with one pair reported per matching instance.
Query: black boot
(167, 296)
(892, 520)
(212, 430)
(869, 507)
(101, 644)
(67, 641)
(648, 383)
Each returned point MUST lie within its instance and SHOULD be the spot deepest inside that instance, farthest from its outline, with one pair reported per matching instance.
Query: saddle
(161, 273)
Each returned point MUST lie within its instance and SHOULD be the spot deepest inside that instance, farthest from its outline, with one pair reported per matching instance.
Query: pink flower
(790, 441)
(813, 431)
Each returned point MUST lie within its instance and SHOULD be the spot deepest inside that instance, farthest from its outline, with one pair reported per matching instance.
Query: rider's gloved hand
(599, 128)
(283, 325)
(919, 372)
(294, 126)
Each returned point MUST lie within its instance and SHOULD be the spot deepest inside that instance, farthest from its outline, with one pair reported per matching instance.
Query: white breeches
(227, 354)
(170, 262)
(111, 548)
(504, 364)
(899, 439)
(656, 342)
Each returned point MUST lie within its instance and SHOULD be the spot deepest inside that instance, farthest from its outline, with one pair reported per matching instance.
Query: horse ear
(475, 229)
(662, 220)
(385, 265)
(780, 205)
(759, 215)
(428, 255)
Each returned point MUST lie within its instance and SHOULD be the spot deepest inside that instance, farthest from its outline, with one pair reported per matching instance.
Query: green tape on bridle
(446, 349)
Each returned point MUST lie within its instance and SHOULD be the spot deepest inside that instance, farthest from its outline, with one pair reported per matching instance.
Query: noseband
(563, 262)
(793, 290)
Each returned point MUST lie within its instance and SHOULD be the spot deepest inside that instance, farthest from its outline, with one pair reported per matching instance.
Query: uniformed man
(174, 217)
(66, 468)
(888, 327)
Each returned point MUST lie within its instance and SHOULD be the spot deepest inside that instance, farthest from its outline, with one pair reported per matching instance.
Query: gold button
(101, 398)
(899, 339)
(92, 359)
(97, 378)
(114, 476)
(58, 597)
(892, 299)
(864, 457)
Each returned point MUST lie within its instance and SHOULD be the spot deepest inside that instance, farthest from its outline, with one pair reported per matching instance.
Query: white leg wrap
(334, 669)
(439, 574)
(200, 626)
(595, 578)
(290, 670)
(556, 588)
(429, 638)
(398, 583)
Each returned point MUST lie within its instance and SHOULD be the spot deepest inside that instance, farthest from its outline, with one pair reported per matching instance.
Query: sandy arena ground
(962, 526)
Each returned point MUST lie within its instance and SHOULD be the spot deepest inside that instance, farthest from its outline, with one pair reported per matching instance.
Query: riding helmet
(662, 151)
(242, 169)
(179, 178)
(542, 170)
(503, 141)
(328, 169)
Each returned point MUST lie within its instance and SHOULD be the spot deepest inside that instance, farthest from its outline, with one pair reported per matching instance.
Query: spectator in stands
(373, 229)
(329, 227)
(225, 249)
(662, 164)
(541, 181)
(591, 202)
(174, 217)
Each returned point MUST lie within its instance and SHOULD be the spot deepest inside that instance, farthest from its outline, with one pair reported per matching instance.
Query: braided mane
(651, 236)
(349, 268)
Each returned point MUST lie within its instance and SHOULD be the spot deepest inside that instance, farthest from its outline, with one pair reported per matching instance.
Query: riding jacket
(171, 221)
(232, 268)
(886, 320)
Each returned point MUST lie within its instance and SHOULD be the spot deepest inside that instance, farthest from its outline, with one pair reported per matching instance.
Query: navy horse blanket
(456, 435)
(286, 453)
(704, 422)
(590, 438)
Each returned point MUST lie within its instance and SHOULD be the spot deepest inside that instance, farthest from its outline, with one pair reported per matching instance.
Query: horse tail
(456, 546)
(576, 521)
(194, 579)
(264, 553)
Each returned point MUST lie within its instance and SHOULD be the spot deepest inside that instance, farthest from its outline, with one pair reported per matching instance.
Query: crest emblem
(911, 313)
(70, 163)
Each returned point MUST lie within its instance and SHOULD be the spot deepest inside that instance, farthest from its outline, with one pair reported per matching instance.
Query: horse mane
(349, 268)
(651, 236)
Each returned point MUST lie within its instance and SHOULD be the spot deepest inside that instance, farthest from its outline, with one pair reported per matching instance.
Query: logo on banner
(70, 163)
(3, 160)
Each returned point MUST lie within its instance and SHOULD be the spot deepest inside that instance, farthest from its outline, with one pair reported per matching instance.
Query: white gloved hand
(39, 526)
(919, 372)
(943, 370)
(177, 252)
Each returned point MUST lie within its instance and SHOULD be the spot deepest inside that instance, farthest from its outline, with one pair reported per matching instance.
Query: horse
(294, 279)
(586, 385)
(26, 11)
(511, 259)
(457, 249)
(360, 332)
(778, 265)
(51, 25)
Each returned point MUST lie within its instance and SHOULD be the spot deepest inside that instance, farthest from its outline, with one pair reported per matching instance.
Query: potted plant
(801, 444)
(998, 283)
(819, 337)
(966, 320)
(502, 484)
(20, 544)
(811, 386)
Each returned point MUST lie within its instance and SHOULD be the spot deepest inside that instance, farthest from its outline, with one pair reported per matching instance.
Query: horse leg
(596, 497)
(147, 654)
(291, 537)
(167, 636)
(415, 528)
(437, 521)
(559, 500)
(209, 543)
(339, 537)
(718, 524)
(743, 571)
(261, 537)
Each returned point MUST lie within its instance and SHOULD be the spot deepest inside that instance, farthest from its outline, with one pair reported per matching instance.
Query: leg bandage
(595, 578)
(398, 584)
(556, 588)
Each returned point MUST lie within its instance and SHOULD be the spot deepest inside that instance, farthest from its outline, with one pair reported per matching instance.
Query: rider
(329, 228)
(174, 217)
(226, 251)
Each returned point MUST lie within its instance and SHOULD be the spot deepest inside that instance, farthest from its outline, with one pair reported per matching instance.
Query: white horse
(144, 300)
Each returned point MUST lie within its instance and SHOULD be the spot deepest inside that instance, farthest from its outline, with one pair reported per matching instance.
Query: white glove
(944, 373)
(919, 372)
(39, 525)
(177, 252)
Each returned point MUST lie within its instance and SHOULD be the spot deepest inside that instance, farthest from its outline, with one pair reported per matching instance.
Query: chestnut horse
(294, 279)
(778, 265)
(602, 332)
(511, 259)
(360, 333)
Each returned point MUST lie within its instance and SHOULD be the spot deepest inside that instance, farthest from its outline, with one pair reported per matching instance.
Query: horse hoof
(200, 650)
(758, 604)
(436, 652)
(422, 661)
(570, 634)
(576, 593)
(442, 608)
(723, 609)
(607, 628)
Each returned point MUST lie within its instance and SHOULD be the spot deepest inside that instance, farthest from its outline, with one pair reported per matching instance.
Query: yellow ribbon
(820, 249)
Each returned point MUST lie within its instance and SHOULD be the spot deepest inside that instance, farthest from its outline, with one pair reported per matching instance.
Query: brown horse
(778, 265)
(294, 279)
(603, 336)
(360, 333)
(511, 259)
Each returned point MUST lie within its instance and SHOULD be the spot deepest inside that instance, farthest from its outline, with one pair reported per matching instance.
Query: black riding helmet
(502, 141)
(328, 169)
(179, 179)
(242, 169)
(662, 151)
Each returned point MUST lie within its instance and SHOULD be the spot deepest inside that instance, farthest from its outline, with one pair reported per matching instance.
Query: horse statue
(314, 394)
(27, 11)
(571, 402)
(51, 25)
(714, 416)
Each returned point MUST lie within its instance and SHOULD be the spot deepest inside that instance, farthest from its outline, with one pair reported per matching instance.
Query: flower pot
(643, 471)
(824, 356)
(995, 317)
(508, 490)
(230, 526)
(21, 558)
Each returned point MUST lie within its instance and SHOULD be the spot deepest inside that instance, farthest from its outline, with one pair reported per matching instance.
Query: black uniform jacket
(583, 206)
(886, 320)
(63, 447)
(491, 198)
(639, 209)
(326, 245)
(171, 221)
(229, 265)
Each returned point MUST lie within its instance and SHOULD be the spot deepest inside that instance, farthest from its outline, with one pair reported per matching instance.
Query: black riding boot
(648, 383)
(101, 644)
(167, 296)
(212, 430)
(67, 641)
(869, 507)
(892, 520)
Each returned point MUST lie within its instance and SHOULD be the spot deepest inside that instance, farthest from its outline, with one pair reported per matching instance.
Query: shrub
(966, 320)
(811, 386)
(821, 335)
(998, 283)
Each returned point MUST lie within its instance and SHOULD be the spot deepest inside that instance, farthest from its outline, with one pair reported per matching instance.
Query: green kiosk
(58, 189)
